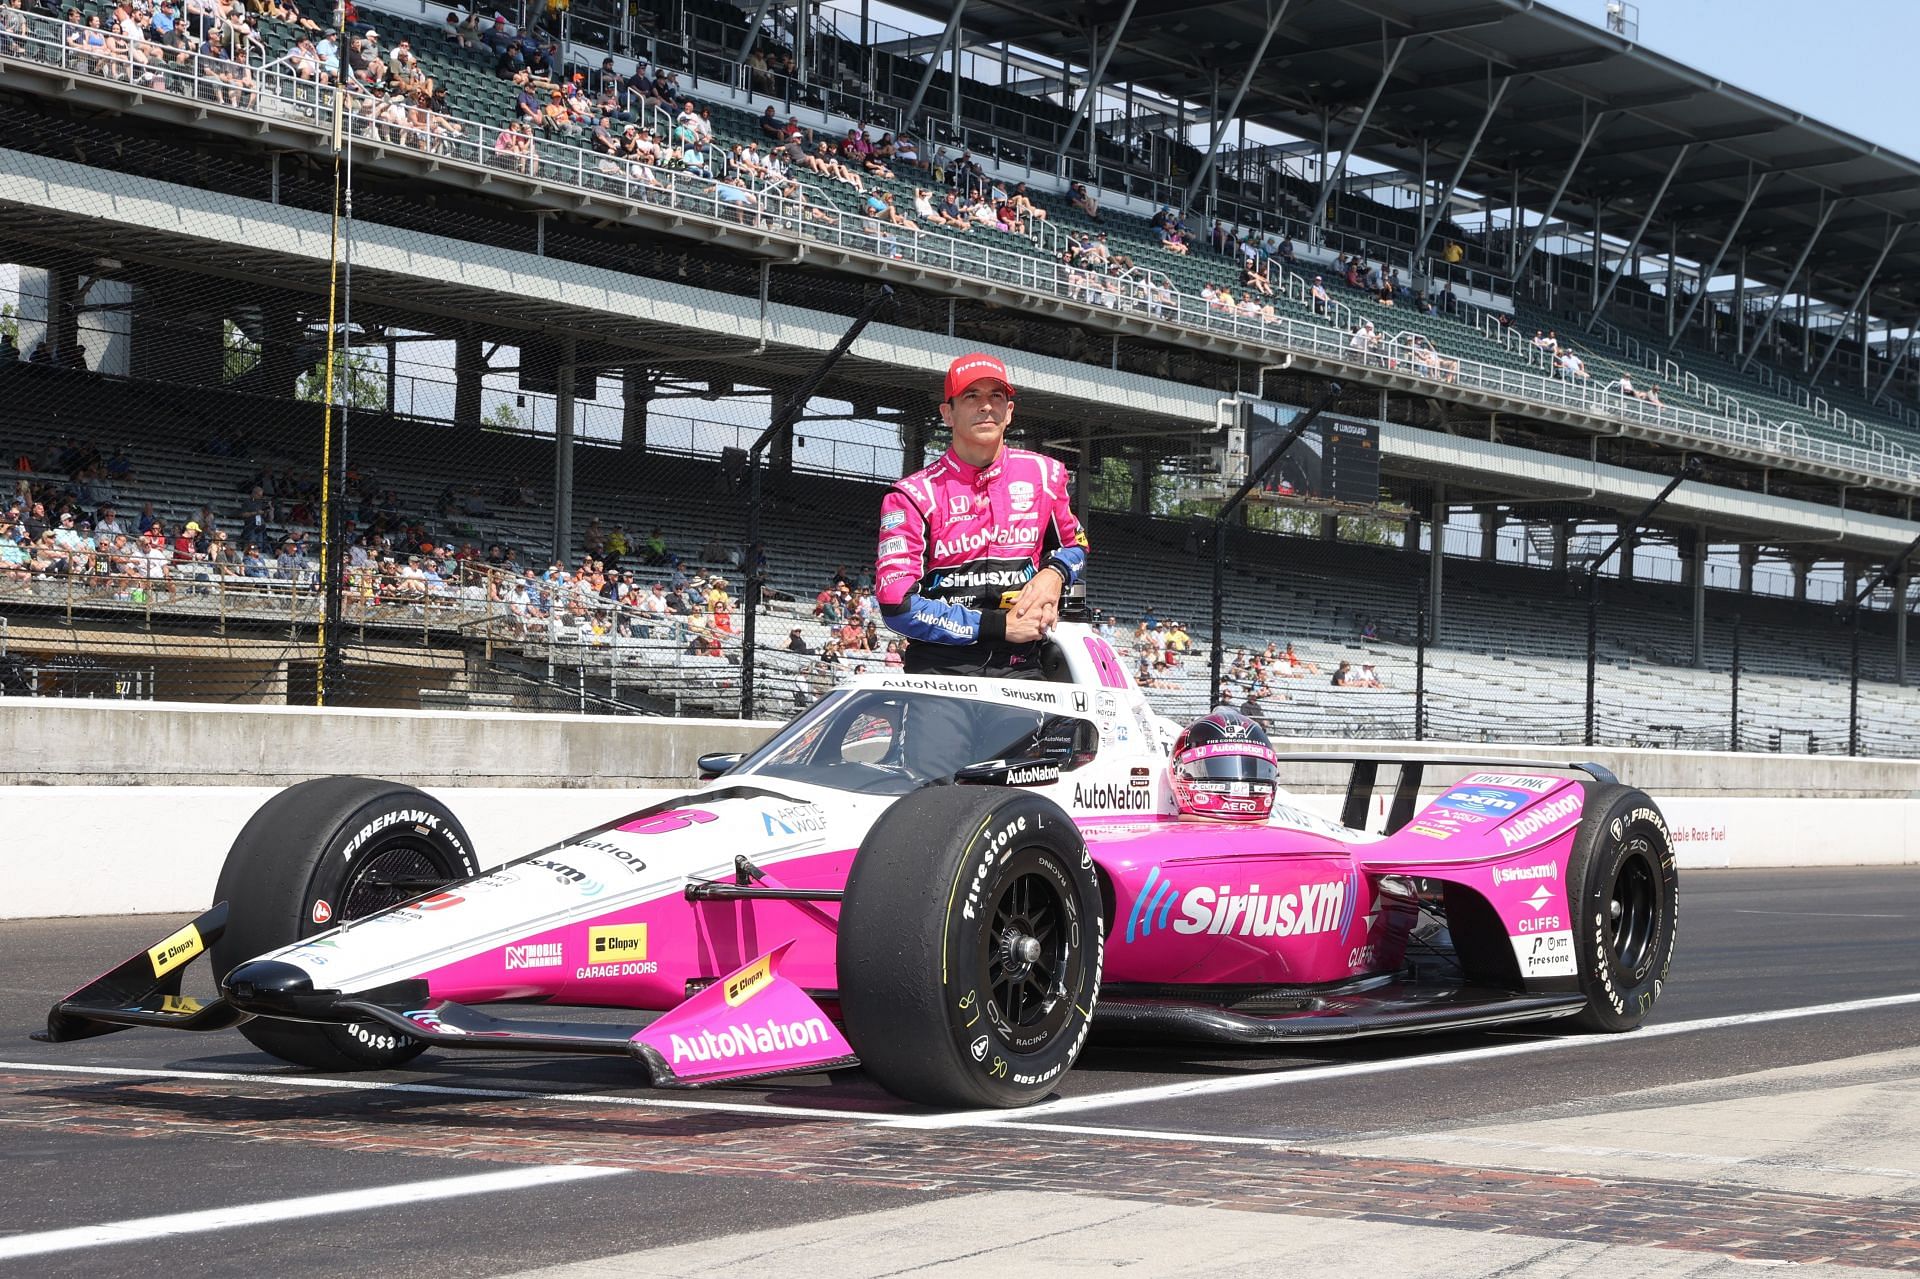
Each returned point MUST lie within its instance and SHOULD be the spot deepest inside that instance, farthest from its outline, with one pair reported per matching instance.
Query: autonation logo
(1532, 822)
(746, 1039)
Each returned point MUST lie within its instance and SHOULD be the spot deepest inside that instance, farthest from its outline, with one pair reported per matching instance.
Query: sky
(1842, 62)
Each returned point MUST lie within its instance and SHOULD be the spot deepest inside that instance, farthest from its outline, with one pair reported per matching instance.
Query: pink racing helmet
(1223, 768)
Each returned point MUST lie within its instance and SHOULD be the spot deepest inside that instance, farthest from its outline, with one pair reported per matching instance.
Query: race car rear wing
(1365, 776)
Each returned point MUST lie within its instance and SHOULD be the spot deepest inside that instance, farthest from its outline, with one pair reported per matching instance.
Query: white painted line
(142, 1229)
(1312, 1074)
(1018, 1118)
(434, 1090)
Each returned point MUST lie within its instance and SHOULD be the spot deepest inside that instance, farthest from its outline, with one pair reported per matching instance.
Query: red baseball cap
(968, 369)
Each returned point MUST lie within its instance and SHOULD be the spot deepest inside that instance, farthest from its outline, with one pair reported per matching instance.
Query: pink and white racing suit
(957, 543)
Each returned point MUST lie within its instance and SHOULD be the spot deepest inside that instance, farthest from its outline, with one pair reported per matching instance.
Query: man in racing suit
(976, 549)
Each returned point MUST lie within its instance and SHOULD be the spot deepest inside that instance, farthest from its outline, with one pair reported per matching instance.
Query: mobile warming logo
(545, 954)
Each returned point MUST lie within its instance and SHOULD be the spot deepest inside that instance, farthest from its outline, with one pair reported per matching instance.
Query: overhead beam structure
(1706, 277)
(1773, 312)
(1096, 77)
(1639, 233)
(1839, 330)
(1278, 10)
(1460, 171)
(933, 63)
(1366, 115)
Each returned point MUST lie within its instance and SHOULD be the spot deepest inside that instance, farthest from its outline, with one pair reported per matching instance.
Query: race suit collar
(977, 475)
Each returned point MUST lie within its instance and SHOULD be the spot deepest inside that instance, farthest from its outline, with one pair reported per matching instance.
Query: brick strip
(1734, 1221)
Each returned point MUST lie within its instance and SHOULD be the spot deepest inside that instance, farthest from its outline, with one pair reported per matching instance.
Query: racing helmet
(1223, 768)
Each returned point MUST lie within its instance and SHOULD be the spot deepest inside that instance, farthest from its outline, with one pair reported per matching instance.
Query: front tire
(1626, 917)
(319, 854)
(970, 947)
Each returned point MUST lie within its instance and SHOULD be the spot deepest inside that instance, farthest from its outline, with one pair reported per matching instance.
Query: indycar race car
(948, 881)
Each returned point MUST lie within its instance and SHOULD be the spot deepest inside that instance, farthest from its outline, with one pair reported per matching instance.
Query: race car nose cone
(266, 986)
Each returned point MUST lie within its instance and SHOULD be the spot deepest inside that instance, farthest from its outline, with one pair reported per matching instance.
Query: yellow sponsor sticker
(616, 942)
(179, 1004)
(176, 950)
(748, 982)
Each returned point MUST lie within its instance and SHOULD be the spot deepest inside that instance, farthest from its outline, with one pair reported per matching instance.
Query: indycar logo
(1531, 823)
(545, 954)
(744, 1039)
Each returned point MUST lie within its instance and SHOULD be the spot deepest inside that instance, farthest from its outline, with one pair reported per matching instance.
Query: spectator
(1084, 200)
(1342, 676)
(795, 642)
(1318, 299)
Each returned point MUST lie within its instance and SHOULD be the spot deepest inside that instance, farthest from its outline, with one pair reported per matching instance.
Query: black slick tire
(970, 947)
(319, 854)
(1626, 912)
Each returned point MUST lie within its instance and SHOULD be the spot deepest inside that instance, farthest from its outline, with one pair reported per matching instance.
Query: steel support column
(1366, 115)
(1840, 330)
(1706, 278)
(1700, 548)
(1460, 171)
(1095, 76)
(1893, 365)
(933, 64)
(1639, 233)
(1773, 312)
(753, 32)
(1222, 118)
(1559, 193)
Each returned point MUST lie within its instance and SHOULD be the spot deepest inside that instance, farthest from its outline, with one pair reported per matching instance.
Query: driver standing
(976, 549)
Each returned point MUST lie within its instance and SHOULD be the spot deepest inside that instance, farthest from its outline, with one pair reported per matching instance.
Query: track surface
(1777, 1140)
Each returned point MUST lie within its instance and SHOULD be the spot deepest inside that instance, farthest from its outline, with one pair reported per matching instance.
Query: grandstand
(554, 332)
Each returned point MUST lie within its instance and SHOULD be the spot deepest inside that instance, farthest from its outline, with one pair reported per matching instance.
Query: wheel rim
(1633, 907)
(394, 874)
(1028, 957)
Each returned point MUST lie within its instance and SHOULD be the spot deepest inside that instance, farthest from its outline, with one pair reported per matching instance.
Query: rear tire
(319, 854)
(1626, 916)
(970, 947)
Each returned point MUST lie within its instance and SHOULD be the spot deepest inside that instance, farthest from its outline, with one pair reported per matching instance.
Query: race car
(949, 881)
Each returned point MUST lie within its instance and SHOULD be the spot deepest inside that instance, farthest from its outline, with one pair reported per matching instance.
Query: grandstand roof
(1325, 58)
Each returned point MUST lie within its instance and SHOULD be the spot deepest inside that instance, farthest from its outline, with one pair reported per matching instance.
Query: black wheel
(319, 854)
(970, 947)
(1627, 912)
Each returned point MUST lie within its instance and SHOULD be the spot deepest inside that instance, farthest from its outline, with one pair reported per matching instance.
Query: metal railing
(987, 255)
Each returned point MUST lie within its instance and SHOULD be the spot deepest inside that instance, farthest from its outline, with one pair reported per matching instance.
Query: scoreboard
(1337, 459)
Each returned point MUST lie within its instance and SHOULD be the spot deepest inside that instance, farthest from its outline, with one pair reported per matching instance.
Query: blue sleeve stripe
(933, 621)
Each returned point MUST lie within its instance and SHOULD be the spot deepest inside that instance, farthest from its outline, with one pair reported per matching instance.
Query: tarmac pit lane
(1782, 1139)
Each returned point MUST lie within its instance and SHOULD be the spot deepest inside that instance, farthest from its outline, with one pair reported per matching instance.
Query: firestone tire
(1627, 914)
(319, 854)
(970, 947)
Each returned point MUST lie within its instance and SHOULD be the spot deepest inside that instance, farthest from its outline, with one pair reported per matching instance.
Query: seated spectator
(1084, 200)
(1343, 676)
(906, 151)
(1652, 396)
(772, 128)
(1318, 299)
(1625, 386)
(1254, 276)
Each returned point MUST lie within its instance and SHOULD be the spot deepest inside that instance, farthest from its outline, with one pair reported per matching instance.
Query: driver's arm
(898, 570)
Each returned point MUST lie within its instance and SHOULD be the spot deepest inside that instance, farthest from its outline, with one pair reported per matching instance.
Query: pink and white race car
(949, 881)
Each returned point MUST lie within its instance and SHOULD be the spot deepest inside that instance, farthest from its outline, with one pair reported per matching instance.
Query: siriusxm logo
(1483, 799)
(1325, 907)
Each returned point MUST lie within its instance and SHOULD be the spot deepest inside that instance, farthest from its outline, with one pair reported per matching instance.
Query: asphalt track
(1767, 1114)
